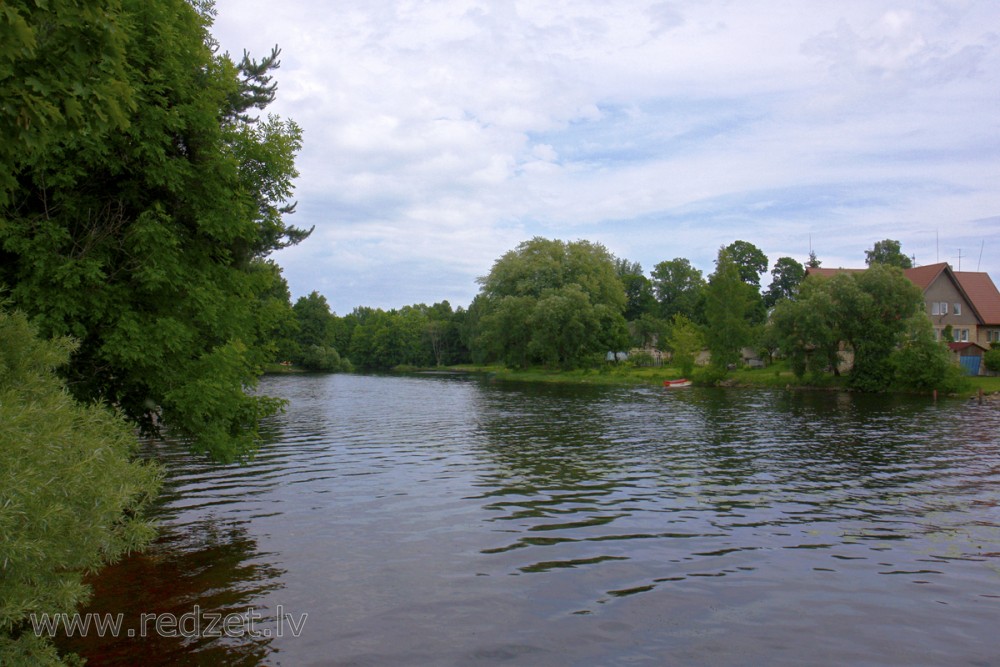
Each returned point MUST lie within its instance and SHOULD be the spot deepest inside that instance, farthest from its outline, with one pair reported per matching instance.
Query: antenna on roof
(959, 259)
(983, 245)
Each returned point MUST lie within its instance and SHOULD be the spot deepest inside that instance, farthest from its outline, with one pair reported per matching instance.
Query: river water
(448, 520)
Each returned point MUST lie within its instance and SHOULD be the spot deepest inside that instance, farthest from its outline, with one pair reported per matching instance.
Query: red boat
(674, 384)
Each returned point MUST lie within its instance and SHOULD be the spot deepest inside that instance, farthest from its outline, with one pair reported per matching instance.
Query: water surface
(452, 521)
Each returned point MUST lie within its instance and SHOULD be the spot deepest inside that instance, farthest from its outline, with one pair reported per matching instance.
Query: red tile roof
(923, 276)
(983, 294)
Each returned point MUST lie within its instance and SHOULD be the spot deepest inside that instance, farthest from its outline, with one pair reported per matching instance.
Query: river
(450, 520)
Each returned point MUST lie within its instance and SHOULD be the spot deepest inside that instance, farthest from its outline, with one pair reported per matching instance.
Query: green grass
(989, 385)
(776, 376)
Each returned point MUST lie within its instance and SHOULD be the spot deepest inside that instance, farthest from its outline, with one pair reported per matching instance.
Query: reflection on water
(435, 520)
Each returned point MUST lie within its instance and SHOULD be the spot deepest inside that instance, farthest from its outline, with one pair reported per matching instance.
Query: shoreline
(766, 378)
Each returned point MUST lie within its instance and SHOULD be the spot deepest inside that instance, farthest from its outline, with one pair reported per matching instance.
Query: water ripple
(439, 511)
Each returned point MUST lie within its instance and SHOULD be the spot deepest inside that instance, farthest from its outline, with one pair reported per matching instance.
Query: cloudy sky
(439, 134)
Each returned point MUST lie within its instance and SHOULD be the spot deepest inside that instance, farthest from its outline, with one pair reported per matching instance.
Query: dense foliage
(553, 303)
(139, 199)
(878, 316)
(786, 276)
(729, 303)
(679, 289)
(888, 253)
(991, 359)
(71, 497)
(686, 342)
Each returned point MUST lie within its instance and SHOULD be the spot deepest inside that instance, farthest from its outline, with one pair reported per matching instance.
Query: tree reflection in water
(214, 568)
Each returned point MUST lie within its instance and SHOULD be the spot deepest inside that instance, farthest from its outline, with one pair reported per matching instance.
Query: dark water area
(452, 521)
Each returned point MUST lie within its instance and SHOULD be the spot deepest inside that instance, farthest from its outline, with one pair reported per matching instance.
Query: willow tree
(140, 196)
(551, 302)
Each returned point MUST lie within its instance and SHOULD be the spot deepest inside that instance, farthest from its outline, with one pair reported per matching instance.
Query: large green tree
(552, 302)
(807, 327)
(729, 302)
(877, 315)
(875, 307)
(139, 198)
(679, 288)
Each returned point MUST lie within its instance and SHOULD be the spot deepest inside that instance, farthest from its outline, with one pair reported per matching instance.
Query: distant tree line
(567, 304)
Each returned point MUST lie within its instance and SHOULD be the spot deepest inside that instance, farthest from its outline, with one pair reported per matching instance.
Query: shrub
(923, 364)
(71, 494)
(321, 358)
(991, 359)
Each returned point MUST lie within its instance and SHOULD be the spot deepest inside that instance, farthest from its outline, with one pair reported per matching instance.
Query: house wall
(943, 291)
(988, 334)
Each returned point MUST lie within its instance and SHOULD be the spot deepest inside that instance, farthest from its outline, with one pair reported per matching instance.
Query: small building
(969, 356)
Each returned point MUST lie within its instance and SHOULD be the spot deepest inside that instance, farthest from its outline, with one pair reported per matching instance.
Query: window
(935, 308)
(958, 309)
(943, 307)
(965, 336)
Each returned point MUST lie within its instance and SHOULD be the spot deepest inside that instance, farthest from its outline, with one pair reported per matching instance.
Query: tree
(808, 329)
(138, 203)
(887, 252)
(813, 263)
(648, 331)
(685, 342)
(872, 313)
(750, 261)
(442, 332)
(874, 308)
(679, 288)
(551, 302)
(73, 496)
(786, 276)
(921, 363)
(316, 335)
(638, 289)
(728, 303)
(991, 359)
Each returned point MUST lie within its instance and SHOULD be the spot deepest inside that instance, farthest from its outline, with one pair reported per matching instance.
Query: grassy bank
(777, 376)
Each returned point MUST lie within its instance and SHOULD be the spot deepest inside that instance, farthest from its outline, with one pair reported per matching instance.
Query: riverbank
(777, 376)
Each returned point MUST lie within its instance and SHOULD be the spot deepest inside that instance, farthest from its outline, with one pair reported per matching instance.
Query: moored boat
(674, 384)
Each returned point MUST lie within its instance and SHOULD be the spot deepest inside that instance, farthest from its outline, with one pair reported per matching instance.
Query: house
(986, 300)
(966, 303)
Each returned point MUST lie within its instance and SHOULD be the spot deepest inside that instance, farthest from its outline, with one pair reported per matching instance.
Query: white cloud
(440, 134)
